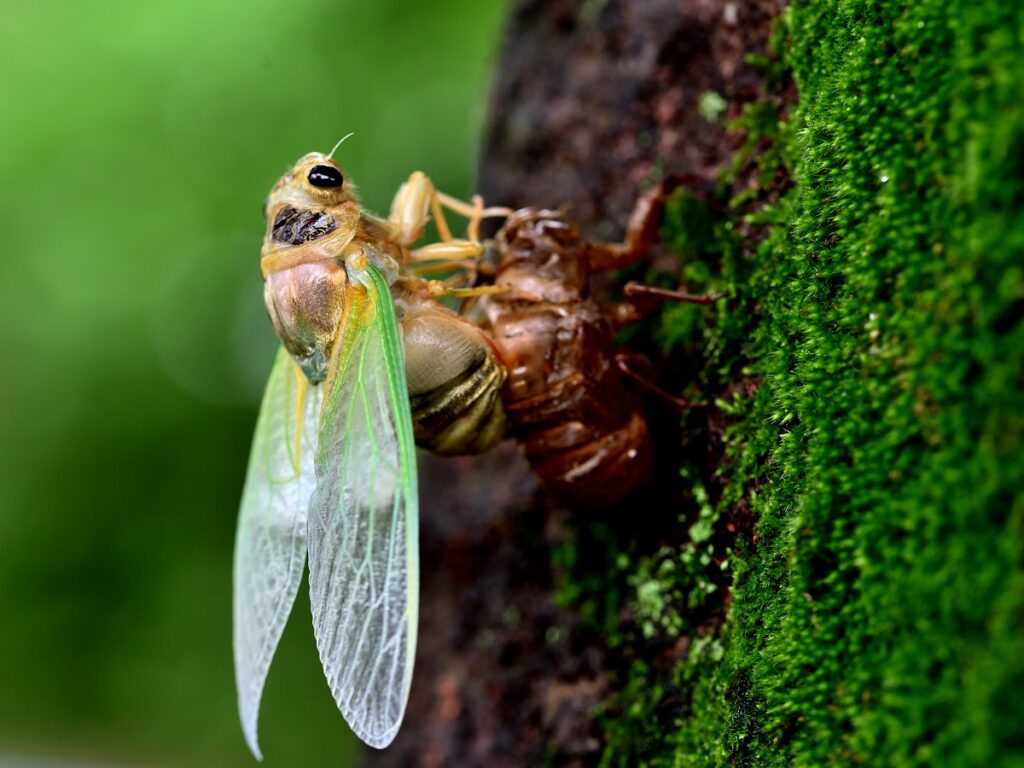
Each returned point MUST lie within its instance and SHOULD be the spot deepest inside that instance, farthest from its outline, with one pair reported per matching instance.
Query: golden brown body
(581, 428)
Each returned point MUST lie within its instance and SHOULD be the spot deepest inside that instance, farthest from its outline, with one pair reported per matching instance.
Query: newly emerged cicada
(370, 365)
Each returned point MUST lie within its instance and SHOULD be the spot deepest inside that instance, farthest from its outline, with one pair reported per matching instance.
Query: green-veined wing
(363, 518)
(270, 546)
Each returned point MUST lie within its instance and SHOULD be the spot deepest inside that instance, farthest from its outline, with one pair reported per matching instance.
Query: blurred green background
(138, 143)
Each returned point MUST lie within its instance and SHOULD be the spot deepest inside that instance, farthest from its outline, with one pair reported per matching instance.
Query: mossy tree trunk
(827, 569)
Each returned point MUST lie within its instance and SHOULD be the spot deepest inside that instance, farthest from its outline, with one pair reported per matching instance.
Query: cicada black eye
(325, 176)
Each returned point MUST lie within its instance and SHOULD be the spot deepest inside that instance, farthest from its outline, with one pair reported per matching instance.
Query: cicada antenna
(335, 149)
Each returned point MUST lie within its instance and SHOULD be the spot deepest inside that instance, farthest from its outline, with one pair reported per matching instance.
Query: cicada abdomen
(582, 430)
(454, 379)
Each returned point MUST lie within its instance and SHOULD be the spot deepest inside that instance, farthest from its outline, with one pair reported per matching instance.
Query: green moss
(879, 619)
(711, 106)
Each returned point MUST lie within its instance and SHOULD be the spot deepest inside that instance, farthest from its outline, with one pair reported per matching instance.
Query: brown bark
(592, 100)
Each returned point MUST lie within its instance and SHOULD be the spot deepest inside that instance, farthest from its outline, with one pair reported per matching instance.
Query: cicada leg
(641, 234)
(633, 289)
(417, 198)
(475, 212)
(644, 300)
(412, 206)
(459, 251)
(627, 364)
(438, 289)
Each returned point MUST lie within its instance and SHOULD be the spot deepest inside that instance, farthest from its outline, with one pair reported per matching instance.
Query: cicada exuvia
(370, 365)
(568, 396)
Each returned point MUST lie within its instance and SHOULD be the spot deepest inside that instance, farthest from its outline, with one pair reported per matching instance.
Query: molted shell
(582, 430)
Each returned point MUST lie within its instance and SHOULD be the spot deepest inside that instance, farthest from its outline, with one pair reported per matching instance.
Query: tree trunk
(592, 103)
(827, 567)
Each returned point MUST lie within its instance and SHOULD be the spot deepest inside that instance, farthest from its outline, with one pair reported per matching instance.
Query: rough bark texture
(874, 608)
(592, 102)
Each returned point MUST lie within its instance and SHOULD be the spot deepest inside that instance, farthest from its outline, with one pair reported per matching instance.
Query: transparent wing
(270, 545)
(363, 520)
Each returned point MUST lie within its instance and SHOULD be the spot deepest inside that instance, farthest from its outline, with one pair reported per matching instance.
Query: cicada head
(312, 214)
(308, 202)
(315, 181)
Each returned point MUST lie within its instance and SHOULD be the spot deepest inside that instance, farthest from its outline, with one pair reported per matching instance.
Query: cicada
(370, 365)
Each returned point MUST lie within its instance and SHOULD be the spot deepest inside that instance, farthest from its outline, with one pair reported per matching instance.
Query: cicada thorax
(305, 301)
(582, 430)
(453, 377)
